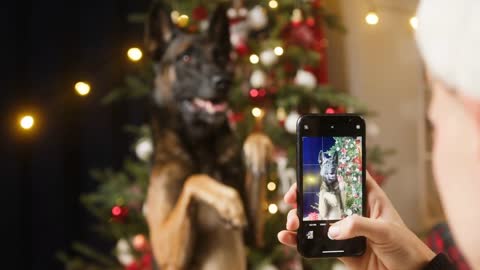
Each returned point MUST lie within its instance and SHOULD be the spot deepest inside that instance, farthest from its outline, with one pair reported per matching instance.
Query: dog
(330, 204)
(197, 202)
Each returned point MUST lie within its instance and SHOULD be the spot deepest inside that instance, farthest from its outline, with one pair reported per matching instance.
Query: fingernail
(333, 232)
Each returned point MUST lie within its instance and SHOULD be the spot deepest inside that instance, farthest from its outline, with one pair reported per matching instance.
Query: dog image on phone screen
(330, 204)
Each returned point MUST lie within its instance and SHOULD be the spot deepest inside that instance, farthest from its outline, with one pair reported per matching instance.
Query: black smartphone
(331, 181)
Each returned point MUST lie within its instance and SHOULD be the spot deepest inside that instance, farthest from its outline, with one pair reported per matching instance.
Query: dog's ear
(335, 159)
(159, 29)
(320, 157)
(219, 33)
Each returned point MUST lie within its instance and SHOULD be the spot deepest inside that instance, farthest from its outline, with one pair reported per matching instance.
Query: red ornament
(330, 110)
(144, 263)
(242, 49)
(341, 109)
(235, 117)
(310, 21)
(199, 13)
(343, 150)
(262, 92)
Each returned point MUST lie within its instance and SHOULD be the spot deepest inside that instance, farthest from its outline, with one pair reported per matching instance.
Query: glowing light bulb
(134, 54)
(26, 122)
(82, 88)
(372, 18)
(257, 112)
(273, 4)
(278, 50)
(414, 22)
(272, 208)
(254, 59)
(271, 186)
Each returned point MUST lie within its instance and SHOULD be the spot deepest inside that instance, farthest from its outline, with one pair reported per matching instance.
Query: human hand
(390, 244)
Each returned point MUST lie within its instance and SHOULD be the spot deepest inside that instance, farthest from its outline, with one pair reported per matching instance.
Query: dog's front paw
(331, 199)
(230, 208)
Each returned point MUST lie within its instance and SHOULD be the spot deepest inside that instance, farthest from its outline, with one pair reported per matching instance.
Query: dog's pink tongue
(209, 106)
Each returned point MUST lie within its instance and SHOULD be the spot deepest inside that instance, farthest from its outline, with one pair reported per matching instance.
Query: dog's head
(328, 167)
(192, 71)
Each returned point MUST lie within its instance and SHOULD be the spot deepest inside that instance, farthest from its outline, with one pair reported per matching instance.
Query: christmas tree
(279, 51)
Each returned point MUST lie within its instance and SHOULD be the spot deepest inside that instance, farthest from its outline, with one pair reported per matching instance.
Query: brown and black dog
(197, 205)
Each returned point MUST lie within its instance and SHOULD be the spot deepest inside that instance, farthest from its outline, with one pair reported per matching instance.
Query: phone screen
(332, 177)
(331, 182)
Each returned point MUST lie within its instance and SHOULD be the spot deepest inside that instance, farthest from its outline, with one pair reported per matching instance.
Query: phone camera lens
(358, 126)
(305, 127)
(332, 126)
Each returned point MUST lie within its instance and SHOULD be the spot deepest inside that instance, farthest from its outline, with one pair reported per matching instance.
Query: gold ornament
(183, 21)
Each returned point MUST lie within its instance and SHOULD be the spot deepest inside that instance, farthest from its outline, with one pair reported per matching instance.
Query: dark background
(46, 47)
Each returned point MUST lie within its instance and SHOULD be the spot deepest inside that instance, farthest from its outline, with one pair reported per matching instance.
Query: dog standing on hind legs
(330, 203)
(197, 198)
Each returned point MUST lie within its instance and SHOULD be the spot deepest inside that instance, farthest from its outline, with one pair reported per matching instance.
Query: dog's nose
(221, 83)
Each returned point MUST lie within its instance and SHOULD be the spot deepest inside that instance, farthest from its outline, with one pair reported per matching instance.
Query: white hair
(448, 36)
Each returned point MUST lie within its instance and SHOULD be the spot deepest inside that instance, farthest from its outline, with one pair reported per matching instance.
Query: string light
(134, 54)
(254, 93)
(272, 208)
(82, 88)
(254, 59)
(271, 186)
(278, 50)
(257, 112)
(330, 110)
(26, 122)
(273, 4)
(414, 22)
(372, 18)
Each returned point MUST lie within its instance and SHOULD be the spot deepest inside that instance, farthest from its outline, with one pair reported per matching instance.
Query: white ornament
(268, 57)
(257, 18)
(258, 79)
(349, 212)
(144, 149)
(204, 25)
(238, 33)
(305, 78)
(124, 253)
(232, 13)
(291, 122)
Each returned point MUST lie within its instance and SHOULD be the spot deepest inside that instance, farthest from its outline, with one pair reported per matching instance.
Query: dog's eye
(186, 58)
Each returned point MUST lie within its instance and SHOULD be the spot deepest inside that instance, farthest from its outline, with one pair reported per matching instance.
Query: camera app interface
(332, 178)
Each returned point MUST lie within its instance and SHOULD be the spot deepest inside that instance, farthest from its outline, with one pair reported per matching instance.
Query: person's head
(448, 37)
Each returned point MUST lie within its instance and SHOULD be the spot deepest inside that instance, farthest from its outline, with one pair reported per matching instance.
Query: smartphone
(330, 180)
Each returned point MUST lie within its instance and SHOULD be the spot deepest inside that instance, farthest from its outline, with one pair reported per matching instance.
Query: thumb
(375, 230)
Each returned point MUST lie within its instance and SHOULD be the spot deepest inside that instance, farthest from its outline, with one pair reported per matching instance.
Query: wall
(384, 70)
